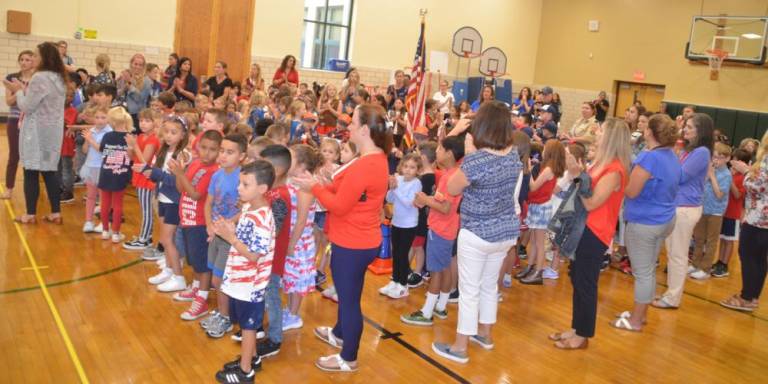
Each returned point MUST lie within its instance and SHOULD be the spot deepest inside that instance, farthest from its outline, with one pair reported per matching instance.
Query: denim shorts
(196, 247)
(439, 252)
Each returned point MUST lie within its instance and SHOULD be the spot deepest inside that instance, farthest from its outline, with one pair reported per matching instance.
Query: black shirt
(217, 89)
(115, 171)
(600, 112)
(428, 187)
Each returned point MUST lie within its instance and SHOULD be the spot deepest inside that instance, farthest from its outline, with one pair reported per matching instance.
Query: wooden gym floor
(113, 327)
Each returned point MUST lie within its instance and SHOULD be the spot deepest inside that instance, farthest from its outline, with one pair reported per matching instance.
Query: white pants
(479, 263)
(677, 244)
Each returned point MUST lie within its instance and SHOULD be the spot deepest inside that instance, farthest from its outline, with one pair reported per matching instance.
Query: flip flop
(341, 365)
(627, 314)
(662, 304)
(561, 345)
(623, 323)
(736, 303)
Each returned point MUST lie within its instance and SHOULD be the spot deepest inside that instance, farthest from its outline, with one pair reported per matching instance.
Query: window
(327, 25)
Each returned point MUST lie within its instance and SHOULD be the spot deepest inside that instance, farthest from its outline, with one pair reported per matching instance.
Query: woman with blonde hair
(609, 177)
(254, 82)
(104, 75)
(753, 239)
(135, 87)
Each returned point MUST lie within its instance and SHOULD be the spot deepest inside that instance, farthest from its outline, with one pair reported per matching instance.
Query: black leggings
(32, 190)
(585, 271)
(402, 238)
(753, 242)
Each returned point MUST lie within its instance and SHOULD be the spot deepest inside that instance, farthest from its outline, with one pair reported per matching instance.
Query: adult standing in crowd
(649, 210)
(601, 106)
(486, 95)
(69, 63)
(548, 97)
(26, 62)
(444, 98)
(220, 84)
(490, 174)
(609, 176)
(695, 159)
(524, 102)
(398, 90)
(184, 83)
(135, 87)
(254, 82)
(353, 200)
(287, 73)
(583, 130)
(171, 69)
(753, 240)
(42, 103)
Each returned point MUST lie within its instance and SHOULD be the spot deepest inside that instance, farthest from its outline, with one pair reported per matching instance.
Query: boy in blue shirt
(707, 231)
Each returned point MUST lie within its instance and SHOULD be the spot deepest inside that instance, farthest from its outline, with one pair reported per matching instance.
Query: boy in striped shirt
(249, 265)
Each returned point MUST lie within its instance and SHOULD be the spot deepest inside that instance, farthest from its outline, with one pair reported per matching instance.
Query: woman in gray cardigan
(42, 129)
(135, 87)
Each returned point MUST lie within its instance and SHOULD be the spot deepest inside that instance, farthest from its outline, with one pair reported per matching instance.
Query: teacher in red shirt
(354, 200)
(287, 73)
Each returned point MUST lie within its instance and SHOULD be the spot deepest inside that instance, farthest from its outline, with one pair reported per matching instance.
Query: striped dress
(300, 270)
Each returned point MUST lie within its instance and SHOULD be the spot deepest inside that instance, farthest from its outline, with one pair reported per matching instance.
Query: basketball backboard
(493, 62)
(742, 37)
(467, 42)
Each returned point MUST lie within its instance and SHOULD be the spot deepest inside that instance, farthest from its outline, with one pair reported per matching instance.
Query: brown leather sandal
(25, 219)
(58, 220)
(563, 344)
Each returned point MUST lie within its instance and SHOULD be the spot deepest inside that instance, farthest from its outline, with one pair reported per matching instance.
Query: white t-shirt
(441, 101)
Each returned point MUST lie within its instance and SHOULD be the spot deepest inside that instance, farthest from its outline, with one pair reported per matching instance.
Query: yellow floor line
(33, 268)
(48, 299)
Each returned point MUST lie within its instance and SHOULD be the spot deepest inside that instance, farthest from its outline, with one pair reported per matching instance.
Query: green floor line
(65, 282)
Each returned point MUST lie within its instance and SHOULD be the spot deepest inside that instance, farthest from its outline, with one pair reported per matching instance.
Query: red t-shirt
(68, 143)
(544, 193)
(602, 220)
(139, 180)
(736, 206)
(354, 201)
(282, 237)
(192, 212)
(445, 225)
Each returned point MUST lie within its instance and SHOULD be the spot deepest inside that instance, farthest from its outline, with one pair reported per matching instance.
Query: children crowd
(259, 186)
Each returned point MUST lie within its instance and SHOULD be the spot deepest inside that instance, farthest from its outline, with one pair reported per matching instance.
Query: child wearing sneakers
(91, 168)
(428, 153)
(175, 139)
(280, 201)
(729, 233)
(249, 265)
(221, 204)
(115, 173)
(405, 219)
(707, 231)
(299, 277)
(193, 185)
(443, 222)
(330, 152)
(143, 151)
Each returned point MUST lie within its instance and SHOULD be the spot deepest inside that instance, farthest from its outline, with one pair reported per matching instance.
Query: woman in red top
(286, 73)
(354, 201)
(609, 177)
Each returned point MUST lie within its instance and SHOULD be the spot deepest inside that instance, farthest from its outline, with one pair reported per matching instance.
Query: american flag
(417, 90)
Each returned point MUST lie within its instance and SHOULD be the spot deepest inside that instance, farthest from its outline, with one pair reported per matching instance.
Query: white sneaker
(161, 277)
(88, 227)
(691, 269)
(117, 237)
(550, 273)
(98, 228)
(175, 283)
(161, 263)
(105, 235)
(699, 275)
(507, 281)
(151, 253)
(398, 292)
(385, 290)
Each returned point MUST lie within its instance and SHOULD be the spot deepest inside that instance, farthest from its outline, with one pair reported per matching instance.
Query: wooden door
(208, 31)
(627, 94)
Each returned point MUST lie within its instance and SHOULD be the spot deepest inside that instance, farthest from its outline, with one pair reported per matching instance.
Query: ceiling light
(751, 36)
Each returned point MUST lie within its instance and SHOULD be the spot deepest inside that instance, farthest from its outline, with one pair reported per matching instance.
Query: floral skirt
(300, 269)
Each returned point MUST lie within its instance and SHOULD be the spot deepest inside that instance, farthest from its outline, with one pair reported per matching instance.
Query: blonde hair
(294, 108)
(761, 152)
(118, 117)
(614, 144)
(258, 98)
(138, 79)
(102, 62)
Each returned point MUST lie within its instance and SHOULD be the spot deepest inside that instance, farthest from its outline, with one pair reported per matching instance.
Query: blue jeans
(348, 268)
(274, 309)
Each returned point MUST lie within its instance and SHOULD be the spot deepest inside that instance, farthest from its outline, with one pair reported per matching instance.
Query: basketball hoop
(470, 55)
(715, 57)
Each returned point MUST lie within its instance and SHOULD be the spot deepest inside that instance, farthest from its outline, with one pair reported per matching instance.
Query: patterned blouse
(488, 208)
(756, 202)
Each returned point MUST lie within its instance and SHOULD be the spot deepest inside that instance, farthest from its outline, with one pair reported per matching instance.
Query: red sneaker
(188, 294)
(196, 310)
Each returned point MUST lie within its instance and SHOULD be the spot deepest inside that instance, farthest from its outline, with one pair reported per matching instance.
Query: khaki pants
(706, 235)
(677, 252)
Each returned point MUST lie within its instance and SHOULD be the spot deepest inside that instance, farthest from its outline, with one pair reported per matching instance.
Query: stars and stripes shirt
(246, 280)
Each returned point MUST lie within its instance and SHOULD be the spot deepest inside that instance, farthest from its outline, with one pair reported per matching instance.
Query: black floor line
(79, 279)
(396, 337)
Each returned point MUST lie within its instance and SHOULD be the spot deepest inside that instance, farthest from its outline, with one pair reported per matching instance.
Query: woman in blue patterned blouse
(489, 178)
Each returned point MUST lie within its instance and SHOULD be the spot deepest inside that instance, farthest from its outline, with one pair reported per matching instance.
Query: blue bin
(337, 65)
